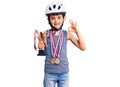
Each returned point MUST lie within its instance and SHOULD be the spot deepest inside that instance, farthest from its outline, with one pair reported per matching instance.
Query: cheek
(52, 21)
(62, 21)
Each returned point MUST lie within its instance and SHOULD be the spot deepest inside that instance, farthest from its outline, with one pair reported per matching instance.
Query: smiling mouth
(57, 24)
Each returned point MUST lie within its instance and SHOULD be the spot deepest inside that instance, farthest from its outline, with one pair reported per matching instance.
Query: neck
(55, 29)
(56, 32)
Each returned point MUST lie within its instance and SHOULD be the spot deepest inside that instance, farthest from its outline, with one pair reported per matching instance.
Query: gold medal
(53, 61)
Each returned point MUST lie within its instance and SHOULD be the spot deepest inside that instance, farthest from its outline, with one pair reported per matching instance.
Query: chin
(57, 27)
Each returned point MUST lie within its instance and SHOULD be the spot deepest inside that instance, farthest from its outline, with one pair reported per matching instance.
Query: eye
(52, 18)
(59, 17)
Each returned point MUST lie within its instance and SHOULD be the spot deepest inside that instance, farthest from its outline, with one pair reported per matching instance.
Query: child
(56, 62)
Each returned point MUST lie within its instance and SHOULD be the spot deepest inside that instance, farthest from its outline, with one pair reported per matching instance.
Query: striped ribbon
(36, 34)
(56, 47)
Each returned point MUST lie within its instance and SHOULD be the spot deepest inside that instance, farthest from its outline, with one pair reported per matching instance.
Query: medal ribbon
(35, 36)
(56, 47)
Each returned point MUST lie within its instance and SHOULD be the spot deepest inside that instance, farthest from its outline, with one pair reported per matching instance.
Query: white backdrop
(99, 23)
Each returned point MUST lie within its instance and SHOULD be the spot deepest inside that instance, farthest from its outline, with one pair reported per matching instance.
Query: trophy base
(41, 53)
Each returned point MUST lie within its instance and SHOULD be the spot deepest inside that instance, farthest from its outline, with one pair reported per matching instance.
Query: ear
(64, 18)
(47, 18)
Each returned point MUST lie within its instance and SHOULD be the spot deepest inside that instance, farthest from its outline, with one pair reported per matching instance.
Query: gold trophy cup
(41, 51)
(41, 37)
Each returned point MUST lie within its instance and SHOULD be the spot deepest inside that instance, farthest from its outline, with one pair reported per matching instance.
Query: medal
(56, 47)
(52, 60)
(55, 60)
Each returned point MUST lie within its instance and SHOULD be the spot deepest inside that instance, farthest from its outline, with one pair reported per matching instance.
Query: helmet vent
(54, 6)
(59, 7)
(50, 8)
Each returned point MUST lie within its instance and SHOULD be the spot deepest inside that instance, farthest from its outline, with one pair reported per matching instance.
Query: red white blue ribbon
(35, 36)
(56, 46)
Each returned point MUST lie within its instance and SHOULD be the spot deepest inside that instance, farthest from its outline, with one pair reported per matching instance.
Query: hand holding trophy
(41, 44)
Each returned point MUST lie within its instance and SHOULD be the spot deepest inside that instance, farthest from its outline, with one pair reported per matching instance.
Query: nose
(56, 19)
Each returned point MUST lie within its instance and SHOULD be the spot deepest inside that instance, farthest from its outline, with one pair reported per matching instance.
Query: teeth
(57, 24)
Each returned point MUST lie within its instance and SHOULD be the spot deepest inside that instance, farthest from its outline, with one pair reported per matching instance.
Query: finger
(69, 28)
(41, 42)
(75, 24)
(71, 21)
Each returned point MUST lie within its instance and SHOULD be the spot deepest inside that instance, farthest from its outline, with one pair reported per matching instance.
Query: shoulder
(67, 33)
(64, 31)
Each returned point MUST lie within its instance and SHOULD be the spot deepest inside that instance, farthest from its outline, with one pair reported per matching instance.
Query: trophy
(41, 37)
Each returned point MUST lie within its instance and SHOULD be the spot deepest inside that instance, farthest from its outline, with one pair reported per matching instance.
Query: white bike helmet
(54, 8)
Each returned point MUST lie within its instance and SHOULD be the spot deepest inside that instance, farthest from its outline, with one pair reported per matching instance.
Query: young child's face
(57, 20)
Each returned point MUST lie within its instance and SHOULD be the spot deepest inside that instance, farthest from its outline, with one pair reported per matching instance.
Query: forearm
(81, 42)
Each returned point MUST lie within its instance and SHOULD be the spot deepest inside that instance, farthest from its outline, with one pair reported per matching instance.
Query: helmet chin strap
(55, 29)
